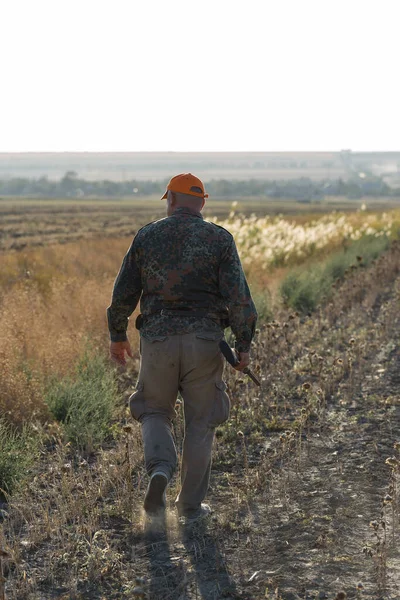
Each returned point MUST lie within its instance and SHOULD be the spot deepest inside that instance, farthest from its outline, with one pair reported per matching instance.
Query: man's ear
(173, 199)
(203, 203)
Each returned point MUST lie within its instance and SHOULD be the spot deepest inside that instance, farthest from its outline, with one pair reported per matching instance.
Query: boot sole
(191, 519)
(155, 501)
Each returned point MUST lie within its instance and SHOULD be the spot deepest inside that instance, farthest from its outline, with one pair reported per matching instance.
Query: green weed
(84, 402)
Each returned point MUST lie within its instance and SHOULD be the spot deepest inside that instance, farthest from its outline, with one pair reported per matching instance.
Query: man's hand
(117, 352)
(244, 360)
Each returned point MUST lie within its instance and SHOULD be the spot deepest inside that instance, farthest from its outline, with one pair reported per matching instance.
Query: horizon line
(199, 151)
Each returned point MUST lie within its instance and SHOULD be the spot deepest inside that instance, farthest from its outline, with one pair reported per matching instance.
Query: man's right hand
(244, 361)
(117, 352)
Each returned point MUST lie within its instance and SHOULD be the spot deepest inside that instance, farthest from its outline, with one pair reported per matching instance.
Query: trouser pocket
(221, 406)
(137, 403)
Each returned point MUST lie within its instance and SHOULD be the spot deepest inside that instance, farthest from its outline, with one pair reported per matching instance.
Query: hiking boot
(155, 499)
(197, 514)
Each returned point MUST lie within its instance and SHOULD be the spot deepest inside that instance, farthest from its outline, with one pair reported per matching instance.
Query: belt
(183, 312)
(223, 321)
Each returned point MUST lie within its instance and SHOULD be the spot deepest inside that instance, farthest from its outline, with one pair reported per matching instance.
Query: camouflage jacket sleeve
(235, 291)
(125, 297)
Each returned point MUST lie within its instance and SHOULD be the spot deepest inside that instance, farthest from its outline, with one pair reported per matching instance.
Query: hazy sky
(189, 75)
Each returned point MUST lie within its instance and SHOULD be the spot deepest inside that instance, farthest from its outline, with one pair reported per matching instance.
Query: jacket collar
(184, 210)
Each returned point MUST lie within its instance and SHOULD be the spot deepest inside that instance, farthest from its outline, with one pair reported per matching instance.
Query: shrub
(368, 248)
(305, 287)
(302, 290)
(262, 301)
(84, 403)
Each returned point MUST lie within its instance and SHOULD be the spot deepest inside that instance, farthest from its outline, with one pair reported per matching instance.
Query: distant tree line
(302, 189)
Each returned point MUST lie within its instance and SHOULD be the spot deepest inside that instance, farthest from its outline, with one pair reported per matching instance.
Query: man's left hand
(244, 361)
(117, 351)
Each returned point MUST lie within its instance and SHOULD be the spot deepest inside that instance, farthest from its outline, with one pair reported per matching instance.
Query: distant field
(27, 222)
(122, 166)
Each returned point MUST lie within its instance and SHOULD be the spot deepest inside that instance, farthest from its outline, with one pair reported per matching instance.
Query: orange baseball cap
(186, 183)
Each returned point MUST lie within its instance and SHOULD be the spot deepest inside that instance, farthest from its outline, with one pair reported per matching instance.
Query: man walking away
(187, 274)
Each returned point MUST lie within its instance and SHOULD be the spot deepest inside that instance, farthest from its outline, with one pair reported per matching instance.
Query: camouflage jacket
(183, 262)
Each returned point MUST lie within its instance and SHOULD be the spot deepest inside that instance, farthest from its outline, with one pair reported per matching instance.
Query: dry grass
(53, 301)
(44, 334)
(96, 259)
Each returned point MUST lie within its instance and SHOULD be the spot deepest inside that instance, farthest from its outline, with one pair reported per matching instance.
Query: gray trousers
(192, 365)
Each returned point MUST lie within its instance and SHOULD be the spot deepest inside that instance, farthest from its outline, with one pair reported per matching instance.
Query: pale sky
(199, 75)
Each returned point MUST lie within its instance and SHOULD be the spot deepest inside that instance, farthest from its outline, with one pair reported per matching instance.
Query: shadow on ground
(185, 561)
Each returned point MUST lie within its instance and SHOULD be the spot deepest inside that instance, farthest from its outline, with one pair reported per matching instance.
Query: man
(188, 275)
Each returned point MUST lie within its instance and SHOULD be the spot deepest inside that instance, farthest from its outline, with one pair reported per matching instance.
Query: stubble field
(41, 222)
(306, 473)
